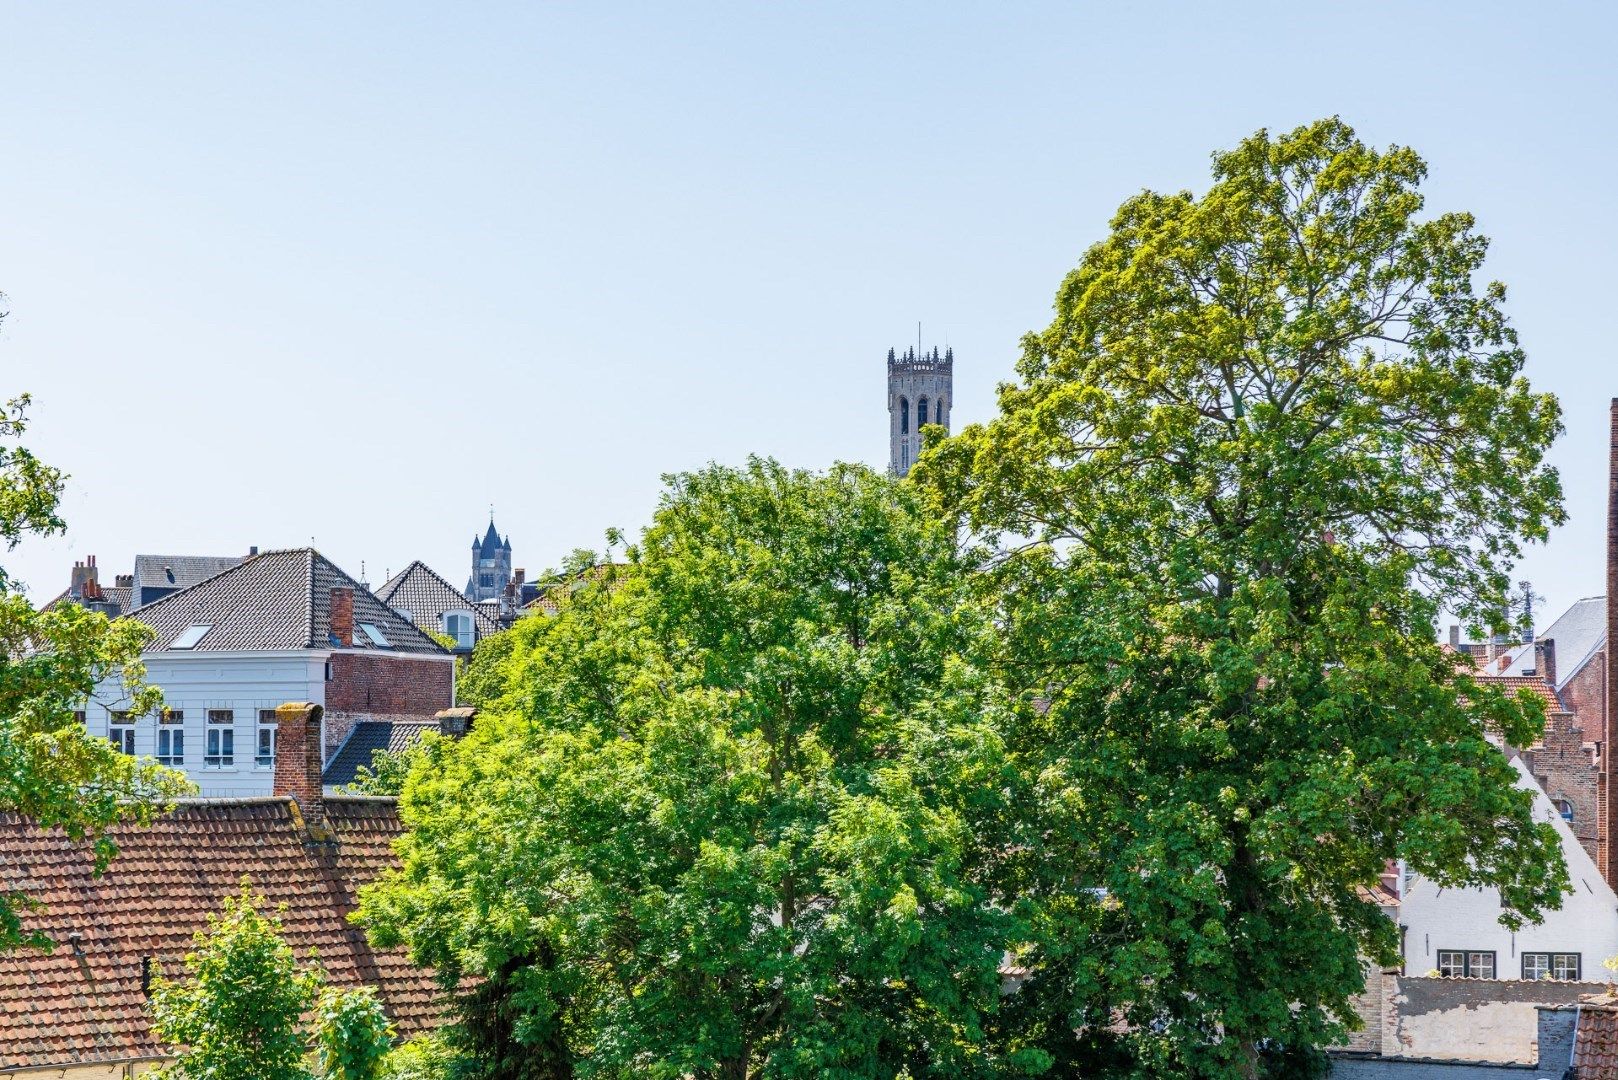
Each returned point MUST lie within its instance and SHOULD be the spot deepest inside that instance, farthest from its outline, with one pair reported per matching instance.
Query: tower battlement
(926, 362)
(920, 393)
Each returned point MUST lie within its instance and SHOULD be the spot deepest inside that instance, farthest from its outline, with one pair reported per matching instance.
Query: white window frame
(1564, 966)
(171, 738)
(471, 636)
(121, 730)
(266, 726)
(219, 740)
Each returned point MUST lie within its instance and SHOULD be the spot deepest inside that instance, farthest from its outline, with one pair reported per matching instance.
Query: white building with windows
(277, 627)
(1457, 932)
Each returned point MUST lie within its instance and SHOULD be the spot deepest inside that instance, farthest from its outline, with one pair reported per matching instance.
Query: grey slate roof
(426, 596)
(365, 739)
(179, 571)
(277, 600)
(1579, 634)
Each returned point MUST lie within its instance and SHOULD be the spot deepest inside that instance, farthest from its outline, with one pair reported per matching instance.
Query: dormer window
(458, 625)
(376, 636)
(188, 638)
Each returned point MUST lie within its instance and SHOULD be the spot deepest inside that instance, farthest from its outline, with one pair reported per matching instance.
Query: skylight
(189, 637)
(376, 635)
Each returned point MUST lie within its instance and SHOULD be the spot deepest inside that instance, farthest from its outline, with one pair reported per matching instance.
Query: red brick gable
(84, 1002)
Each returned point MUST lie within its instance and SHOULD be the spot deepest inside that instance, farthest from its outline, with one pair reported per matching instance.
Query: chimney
(123, 581)
(519, 575)
(342, 617)
(1455, 636)
(1609, 828)
(84, 576)
(453, 723)
(1545, 660)
(298, 761)
(252, 551)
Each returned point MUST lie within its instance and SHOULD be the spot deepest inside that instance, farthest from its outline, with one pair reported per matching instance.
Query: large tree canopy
(1269, 432)
(50, 662)
(727, 816)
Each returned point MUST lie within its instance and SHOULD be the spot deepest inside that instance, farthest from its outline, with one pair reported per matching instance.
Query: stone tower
(920, 392)
(491, 566)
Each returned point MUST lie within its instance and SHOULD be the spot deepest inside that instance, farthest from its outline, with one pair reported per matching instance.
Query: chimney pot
(1455, 635)
(342, 616)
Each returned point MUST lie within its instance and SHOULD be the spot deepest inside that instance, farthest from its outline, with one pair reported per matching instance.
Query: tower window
(921, 413)
(904, 416)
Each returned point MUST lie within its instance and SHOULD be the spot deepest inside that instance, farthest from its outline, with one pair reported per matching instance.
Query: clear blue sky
(355, 271)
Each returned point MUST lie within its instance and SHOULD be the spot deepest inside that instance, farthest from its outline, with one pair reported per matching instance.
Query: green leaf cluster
(51, 770)
(728, 812)
(239, 1013)
(1271, 431)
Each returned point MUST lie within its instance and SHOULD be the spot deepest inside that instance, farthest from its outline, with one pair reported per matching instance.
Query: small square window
(1460, 963)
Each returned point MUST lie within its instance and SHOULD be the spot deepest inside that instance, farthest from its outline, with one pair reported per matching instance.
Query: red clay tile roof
(1595, 1047)
(1534, 684)
(76, 1006)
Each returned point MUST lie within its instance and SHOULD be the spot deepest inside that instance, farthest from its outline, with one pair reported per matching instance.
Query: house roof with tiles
(279, 600)
(84, 1002)
(426, 596)
(365, 739)
(179, 571)
(1595, 1041)
(1579, 633)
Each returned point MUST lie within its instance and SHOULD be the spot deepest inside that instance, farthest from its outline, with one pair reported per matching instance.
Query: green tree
(51, 771)
(730, 815)
(1269, 432)
(238, 1015)
(352, 1034)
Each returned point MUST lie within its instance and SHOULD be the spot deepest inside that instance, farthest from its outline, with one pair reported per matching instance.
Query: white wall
(1587, 923)
(193, 683)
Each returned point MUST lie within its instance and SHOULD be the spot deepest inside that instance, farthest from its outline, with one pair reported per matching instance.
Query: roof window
(189, 637)
(375, 634)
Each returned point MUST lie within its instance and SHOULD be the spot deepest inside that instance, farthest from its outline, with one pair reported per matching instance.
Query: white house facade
(1457, 932)
(277, 627)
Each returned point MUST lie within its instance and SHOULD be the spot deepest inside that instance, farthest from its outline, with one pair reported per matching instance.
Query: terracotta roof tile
(82, 1002)
(1595, 1048)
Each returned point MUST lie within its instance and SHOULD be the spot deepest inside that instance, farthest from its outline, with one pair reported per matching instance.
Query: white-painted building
(277, 627)
(1457, 931)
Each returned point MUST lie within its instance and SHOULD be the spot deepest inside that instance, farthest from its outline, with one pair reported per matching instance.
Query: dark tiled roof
(179, 571)
(85, 1004)
(426, 595)
(1595, 1047)
(277, 600)
(492, 545)
(365, 739)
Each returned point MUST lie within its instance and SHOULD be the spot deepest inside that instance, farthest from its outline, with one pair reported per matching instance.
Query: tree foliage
(1269, 432)
(353, 1037)
(238, 1015)
(51, 770)
(727, 813)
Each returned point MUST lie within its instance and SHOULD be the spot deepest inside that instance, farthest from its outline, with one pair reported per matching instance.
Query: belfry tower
(491, 566)
(920, 392)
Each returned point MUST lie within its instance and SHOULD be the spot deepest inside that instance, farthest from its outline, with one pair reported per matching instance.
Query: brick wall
(1567, 770)
(386, 686)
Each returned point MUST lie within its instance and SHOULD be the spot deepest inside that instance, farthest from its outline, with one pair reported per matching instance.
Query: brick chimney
(1609, 827)
(298, 761)
(342, 616)
(84, 578)
(456, 722)
(1545, 660)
